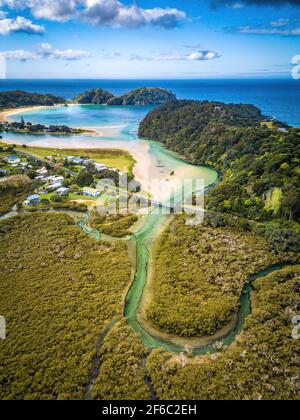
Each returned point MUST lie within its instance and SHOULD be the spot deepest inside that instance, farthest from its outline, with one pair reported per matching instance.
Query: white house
(54, 186)
(55, 179)
(62, 191)
(100, 167)
(91, 192)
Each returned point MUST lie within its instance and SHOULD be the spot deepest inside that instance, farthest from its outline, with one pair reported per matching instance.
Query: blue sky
(149, 39)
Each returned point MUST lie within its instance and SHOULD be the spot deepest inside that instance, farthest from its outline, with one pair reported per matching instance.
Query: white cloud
(19, 24)
(204, 55)
(280, 22)
(99, 12)
(46, 51)
(268, 31)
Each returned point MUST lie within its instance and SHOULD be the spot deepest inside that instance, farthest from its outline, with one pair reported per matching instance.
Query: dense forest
(18, 98)
(58, 291)
(259, 159)
(263, 363)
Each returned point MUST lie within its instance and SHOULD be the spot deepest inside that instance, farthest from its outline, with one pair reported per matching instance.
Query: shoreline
(9, 112)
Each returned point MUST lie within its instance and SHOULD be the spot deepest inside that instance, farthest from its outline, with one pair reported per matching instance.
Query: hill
(144, 96)
(18, 98)
(94, 96)
(259, 160)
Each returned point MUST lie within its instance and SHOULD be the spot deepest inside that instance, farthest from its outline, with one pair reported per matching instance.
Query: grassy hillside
(58, 290)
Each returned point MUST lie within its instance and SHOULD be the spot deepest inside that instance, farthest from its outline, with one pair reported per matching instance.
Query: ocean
(276, 98)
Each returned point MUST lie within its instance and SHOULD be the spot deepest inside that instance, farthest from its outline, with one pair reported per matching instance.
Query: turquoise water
(279, 98)
(119, 126)
(88, 116)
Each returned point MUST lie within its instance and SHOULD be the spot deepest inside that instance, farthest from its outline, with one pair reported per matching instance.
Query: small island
(94, 97)
(137, 97)
(144, 97)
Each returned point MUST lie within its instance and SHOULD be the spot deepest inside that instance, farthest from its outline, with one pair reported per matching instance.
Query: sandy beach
(10, 112)
(6, 113)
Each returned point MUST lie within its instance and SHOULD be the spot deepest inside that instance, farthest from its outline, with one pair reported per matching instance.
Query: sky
(163, 39)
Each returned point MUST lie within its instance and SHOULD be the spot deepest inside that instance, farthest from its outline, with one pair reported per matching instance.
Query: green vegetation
(121, 374)
(117, 226)
(199, 275)
(260, 165)
(13, 190)
(58, 290)
(144, 96)
(94, 96)
(18, 98)
(262, 364)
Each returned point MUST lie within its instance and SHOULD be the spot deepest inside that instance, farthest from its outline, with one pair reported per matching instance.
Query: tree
(291, 205)
(274, 201)
(84, 179)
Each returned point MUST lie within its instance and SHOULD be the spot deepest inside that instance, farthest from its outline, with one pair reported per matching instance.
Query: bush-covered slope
(18, 98)
(260, 165)
(94, 96)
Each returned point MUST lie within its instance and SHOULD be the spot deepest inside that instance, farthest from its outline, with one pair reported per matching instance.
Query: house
(87, 161)
(62, 191)
(282, 130)
(32, 200)
(91, 192)
(100, 167)
(13, 159)
(40, 178)
(54, 187)
(42, 171)
(55, 179)
(75, 160)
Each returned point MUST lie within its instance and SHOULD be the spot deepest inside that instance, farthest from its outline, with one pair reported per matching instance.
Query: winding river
(117, 127)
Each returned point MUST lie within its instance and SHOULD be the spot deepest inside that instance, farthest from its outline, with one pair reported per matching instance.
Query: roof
(33, 197)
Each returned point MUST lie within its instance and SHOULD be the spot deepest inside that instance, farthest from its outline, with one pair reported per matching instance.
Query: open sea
(276, 98)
